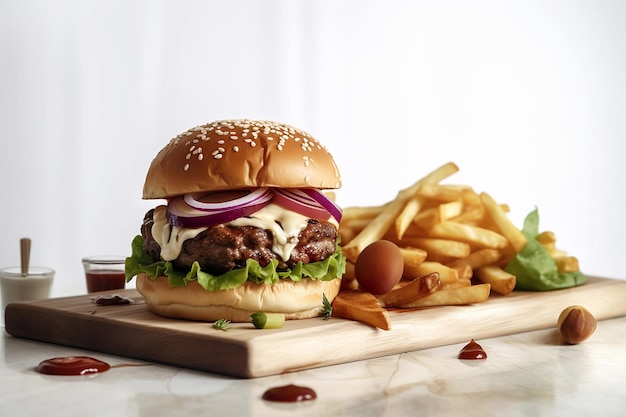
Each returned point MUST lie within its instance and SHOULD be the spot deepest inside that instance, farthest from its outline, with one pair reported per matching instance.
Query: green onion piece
(222, 324)
(263, 320)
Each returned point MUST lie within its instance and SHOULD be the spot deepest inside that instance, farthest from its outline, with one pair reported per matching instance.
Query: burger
(247, 224)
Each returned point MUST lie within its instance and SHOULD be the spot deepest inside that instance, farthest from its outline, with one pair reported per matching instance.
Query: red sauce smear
(111, 300)
(473, 351)
(289, 394)
(72, 365)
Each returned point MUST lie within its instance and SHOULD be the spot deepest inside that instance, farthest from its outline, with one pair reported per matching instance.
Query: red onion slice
(225, 200)
(298, 201)
(181, 214)
(209, 209)
(326, 202)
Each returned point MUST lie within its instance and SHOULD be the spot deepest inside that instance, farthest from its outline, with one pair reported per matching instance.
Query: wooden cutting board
(243, 351)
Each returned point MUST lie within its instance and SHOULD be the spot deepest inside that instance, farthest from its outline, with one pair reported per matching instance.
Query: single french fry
(465, 282)
(446, 274)
(426, 218)
(346, 234)
(470, 198)
(379, 225)
(457, 296)
(470, 215)
(406, 216)
(440, 247)
(361, 306)
(464, 271)
(546, 237)
(501, 281)
(412, 257)
(475, 236)
(356, 223)
(449, 210)
(360, 212)
(414, 290)
(440, 192)
(505, 226)
(548, 241)
(478, 258)
(567, 263)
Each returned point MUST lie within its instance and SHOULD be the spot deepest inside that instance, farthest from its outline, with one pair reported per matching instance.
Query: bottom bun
(296, 299)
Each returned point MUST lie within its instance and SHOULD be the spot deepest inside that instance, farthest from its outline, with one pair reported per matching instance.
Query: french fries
(379, 225)
(411, 292)
(454, 241)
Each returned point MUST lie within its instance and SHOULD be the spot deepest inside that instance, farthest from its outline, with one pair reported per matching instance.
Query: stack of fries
(455, 238)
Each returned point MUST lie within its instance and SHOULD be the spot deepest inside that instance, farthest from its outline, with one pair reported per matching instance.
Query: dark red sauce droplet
(111, 300)
(289, 393)
(72, 365)
(473, 351)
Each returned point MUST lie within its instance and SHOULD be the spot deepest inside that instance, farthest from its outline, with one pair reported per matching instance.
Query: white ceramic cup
(15, 286)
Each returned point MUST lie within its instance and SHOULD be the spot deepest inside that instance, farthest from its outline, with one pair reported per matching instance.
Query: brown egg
(379, 267)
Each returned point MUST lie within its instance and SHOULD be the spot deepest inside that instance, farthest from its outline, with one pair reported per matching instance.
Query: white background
(527, 97)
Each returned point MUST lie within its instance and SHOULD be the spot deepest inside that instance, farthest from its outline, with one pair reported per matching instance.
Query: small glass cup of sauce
(104, 272)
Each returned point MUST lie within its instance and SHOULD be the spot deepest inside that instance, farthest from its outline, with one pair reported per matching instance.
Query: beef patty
(222, 248)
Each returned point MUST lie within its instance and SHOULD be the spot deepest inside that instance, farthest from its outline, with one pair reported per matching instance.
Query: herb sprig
(327, 308)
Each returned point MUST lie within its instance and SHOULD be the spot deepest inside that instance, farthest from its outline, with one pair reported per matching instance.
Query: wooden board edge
(128, 340)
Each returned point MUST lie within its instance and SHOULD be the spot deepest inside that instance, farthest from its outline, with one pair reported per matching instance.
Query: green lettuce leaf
(534, 267)
(140, 262)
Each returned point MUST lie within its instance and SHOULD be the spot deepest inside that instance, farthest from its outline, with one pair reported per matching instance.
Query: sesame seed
(250, 131)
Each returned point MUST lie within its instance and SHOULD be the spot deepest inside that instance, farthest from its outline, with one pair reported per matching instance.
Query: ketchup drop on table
(473, 351)
(72, 365)
(289, 393)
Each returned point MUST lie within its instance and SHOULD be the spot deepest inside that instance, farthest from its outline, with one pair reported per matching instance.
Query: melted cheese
(284, 225)
(170, 238)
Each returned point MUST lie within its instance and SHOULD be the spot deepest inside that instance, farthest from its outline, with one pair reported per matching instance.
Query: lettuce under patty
(140, 262)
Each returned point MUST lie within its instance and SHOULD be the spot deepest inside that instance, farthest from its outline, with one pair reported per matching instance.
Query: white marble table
(529, 374)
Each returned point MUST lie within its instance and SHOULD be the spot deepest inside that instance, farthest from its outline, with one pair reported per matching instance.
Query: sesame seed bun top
(232, 154)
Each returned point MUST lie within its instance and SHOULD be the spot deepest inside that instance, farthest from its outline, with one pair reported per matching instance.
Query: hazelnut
(576, 324)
